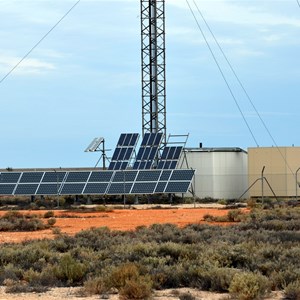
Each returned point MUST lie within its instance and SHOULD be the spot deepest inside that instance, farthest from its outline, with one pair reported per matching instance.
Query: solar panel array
(148, 151)
(123, 152)
(96, 182)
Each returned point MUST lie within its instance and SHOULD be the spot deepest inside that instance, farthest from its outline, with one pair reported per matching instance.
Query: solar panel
(9, 177)
(98, 188)
(26, 189)
(92, 147)
(48, 189)
(177, 187)
(165, 175)
(54, 176)
(72, 188)
(152, 175)
(143, 188)
(169, 157)
(77, 176)
(182, 175)
(100, 176)
(31, 177)
(160, 187)
(121, 176)
(7, 189)
(148, 151)
(124, 151)
(117, 188)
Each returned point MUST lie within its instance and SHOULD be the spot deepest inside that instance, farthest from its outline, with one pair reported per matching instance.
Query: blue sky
(83, 80)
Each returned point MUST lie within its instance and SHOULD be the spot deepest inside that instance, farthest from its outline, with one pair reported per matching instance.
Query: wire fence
(235, 186)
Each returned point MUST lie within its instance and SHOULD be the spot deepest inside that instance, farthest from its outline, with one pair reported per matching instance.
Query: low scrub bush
(48, 214)
(248, 286)
(292, 291)
(95, 286)
(15, 221)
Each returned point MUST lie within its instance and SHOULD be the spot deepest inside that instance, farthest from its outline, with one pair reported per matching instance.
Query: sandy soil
(72, 294)
(119, 219)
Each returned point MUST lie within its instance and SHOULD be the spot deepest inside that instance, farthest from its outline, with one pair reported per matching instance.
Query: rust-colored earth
(117, 219)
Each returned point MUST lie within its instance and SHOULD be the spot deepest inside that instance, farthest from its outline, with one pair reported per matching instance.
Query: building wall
(219, 174)
(280, 165)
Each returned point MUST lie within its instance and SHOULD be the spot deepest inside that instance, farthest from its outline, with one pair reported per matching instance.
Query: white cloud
(28, 66)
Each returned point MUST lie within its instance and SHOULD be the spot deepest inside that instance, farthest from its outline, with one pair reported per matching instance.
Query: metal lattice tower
(153, 66)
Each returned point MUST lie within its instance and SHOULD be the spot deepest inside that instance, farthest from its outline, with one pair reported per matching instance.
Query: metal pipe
(297, 183)
(262, 184)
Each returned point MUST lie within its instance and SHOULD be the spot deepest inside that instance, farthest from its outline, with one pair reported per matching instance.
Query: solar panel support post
(57, 192)
(153, 66)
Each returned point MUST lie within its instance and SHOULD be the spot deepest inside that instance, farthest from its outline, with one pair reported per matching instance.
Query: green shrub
(95, 286)
(15, 221)
(51, 221)
(292, 291)
(136, 288)
(248, 286)
(120, 275)
(48, 214)
(70, 270)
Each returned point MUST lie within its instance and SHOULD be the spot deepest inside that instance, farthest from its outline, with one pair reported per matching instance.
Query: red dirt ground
(118, 219)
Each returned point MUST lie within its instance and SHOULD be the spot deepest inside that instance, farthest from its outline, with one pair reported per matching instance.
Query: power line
(242, 86)
(29, 52)
(222, 73)
(298, 3)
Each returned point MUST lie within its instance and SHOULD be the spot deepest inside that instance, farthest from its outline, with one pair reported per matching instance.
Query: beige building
(280, 167)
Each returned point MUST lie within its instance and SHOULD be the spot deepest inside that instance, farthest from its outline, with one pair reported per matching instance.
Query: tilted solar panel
(26, 189)
(54, 176)
(98, 176)
(121, 176)
(118, 188)
(151, 175)
(72, 188)
(182, 175)
(143, 188)
(48, 189)
(177, 187)
(9, 177)
(97, 188)
(78, 176)
(123, 151)
(31, 177)
(7, 189)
